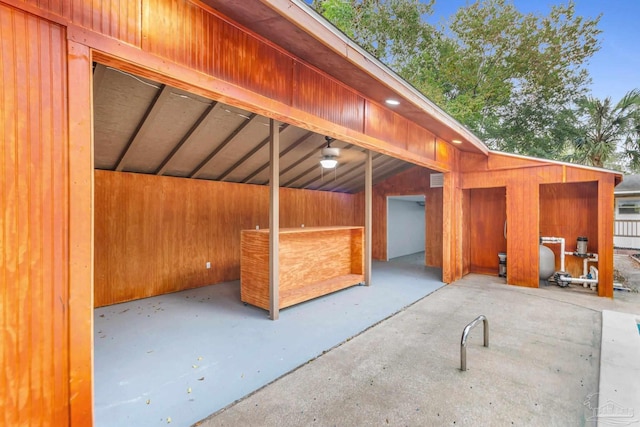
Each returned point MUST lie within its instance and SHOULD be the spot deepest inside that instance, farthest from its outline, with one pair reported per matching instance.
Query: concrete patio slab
(541, 368)
(619, 392)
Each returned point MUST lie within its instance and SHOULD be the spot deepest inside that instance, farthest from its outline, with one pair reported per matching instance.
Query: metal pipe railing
(465, 333)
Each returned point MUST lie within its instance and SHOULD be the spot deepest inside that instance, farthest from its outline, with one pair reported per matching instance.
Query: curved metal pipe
(465, 334)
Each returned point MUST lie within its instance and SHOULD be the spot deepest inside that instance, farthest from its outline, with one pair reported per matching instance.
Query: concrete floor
(541, 368)
(183, 356)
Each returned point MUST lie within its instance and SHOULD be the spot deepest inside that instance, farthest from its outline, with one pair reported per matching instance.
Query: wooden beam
(368, 217)
(198, 170)
(197, 125)
(274, 221)
(299, 141)
(247, 156)
(145, 123)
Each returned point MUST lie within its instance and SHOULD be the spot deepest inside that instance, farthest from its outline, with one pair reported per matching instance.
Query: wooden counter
(314, 261)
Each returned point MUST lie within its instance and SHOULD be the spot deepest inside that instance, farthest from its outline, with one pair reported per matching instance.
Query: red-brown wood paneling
(205, 42)
(487, 212)
(120, 19)
(384, 124)
(569, 211)
(414, 181)
(605, 206)
(34, 220)
(324, 97)
(421, 141)
(523, 201)
(154, 235)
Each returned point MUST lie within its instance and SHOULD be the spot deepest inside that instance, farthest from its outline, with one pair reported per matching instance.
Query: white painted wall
(405, 228)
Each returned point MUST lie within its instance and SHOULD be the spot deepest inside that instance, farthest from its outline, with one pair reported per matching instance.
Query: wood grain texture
(120, 19)
(80, 311)
(154, 235)
(34, 222)
(322, 96)
(487, 215)
(605, 208)
(414, 181)
(523, 207)
(313, 262)
(569, 211)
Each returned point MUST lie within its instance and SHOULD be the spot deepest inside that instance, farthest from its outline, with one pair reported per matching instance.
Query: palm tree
(605, 128)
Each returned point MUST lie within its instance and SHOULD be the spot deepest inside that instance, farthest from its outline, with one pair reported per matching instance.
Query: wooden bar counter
(314, 261)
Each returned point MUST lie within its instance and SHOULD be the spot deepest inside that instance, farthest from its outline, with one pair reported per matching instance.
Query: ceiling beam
(247, 156)
(196, 126)
(299, 141)
(198, 170)
(358, 181)
(147, 121)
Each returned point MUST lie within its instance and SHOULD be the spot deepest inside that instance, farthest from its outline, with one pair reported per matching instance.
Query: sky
(615, 68)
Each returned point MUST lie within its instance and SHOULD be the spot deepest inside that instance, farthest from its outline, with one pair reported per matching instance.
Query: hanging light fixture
(328, 162)
(329, 159)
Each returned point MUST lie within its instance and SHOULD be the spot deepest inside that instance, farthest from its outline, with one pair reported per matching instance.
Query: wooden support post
(606, 212)
(368, 194)
(274, 220)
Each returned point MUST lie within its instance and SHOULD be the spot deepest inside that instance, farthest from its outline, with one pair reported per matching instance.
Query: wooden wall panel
(569, 211)
(411, 182)
(34, 221)
(205, 42)
(384, 124)
(523, 201)
(324, 97)
(119, 19)
(421, 141)
(487, 214)
(154, 235)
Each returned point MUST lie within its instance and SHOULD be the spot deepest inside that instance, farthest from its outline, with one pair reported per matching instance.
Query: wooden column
(80, 235)
(274, 220)
(368, 222)
(523, 223)
(606, 211)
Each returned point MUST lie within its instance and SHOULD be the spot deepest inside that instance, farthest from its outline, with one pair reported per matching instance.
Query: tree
(604, 128)
(509, 77)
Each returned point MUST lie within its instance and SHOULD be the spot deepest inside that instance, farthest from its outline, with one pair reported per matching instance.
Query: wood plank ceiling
(146, 127)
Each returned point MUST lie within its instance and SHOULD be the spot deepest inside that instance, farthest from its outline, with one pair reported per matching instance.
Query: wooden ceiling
(146, 127)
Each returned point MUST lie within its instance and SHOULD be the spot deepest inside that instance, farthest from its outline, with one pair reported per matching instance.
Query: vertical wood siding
(569, 211)
(33, 222)
(204, 42)
(119, 19)
(487, 212)
(319, 95)
(411, 182)
(154, 235)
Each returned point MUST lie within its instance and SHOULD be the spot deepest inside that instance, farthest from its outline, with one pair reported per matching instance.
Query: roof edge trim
(557, 162)
(368, 63)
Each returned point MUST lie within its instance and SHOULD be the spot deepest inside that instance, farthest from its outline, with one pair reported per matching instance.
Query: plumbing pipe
(556, 240)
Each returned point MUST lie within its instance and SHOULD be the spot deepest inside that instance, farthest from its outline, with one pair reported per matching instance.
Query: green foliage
(604, 127)
(508, 76)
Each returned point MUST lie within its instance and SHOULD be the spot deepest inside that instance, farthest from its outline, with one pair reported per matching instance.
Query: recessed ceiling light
(392, 101)
(456, 141)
